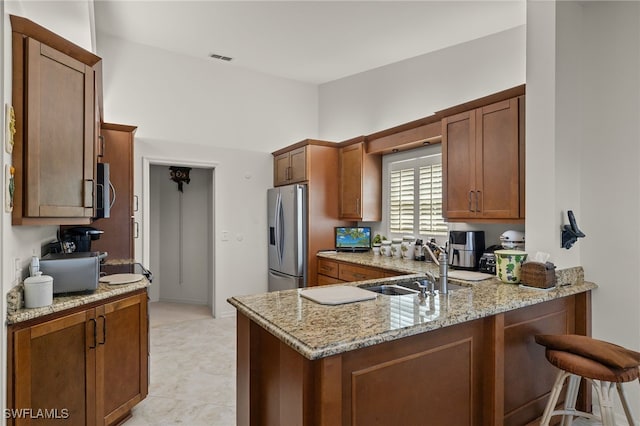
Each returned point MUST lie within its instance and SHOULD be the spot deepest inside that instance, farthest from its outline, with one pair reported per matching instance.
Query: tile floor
(193, 363)
(192, 368)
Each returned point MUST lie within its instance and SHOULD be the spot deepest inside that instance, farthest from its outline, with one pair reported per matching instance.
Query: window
(415, 195)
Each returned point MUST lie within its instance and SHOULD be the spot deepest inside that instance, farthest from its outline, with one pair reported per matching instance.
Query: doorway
(181, 235)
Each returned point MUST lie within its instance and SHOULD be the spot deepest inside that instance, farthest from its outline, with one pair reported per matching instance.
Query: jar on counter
(385, 248)
(406, 247)
(395, 247)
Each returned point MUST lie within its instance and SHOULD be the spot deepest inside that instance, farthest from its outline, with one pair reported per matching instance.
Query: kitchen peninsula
(464, 358)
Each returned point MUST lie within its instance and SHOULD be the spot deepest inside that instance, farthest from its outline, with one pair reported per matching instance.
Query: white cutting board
(121, 278)
(469, 275)
(337, 295)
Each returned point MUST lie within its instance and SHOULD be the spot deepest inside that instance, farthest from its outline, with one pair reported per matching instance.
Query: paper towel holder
(571, 232)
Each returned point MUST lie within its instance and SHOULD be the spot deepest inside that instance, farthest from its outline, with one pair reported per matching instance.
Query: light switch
(225, 235)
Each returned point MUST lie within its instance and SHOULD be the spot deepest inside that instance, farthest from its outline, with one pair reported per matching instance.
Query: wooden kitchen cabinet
(334, 272)
(117, 239)
(360, 184)
(90, 365)
(483, 162)
(54, 98)
(321, 167)
(290, 167)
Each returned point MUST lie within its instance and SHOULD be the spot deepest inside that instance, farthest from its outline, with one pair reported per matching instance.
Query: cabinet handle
(361, 276)
(104, 330)
(470, 209)
(102, 145)
(95, 333)
(477, 198)
(135, 199)
(289, 173)
(137, 226)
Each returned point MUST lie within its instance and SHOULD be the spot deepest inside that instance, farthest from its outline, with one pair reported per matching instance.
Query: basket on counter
(538, 274)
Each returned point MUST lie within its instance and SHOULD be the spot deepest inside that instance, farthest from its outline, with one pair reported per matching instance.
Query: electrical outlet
(17, 269)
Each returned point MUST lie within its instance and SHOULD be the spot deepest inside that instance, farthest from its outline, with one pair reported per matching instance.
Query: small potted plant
(376, 243)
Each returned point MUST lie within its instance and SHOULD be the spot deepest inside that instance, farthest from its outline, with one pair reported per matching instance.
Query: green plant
(377, 239)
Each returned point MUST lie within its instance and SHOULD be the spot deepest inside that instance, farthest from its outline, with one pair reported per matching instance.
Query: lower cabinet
(89, 367)
(334, 272)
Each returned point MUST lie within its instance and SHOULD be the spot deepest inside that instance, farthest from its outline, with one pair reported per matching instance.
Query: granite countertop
(16, 312)
(318, 331)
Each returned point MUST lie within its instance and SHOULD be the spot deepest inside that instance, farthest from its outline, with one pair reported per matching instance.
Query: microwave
(105, 192)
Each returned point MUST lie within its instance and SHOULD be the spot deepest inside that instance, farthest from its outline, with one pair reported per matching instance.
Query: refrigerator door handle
(276, 216)
(281, 236)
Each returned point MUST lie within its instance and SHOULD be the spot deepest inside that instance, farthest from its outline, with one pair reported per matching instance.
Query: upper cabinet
(360, 184)
(55, 101)
(483, 162)
(290, 167)
(117, 151)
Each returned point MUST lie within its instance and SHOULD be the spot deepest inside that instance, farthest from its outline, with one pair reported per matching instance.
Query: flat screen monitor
(351, 238)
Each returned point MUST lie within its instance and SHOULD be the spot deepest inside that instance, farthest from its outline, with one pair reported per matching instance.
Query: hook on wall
(571, 232)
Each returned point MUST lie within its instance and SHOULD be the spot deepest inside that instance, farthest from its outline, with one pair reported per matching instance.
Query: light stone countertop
(16, 312)
(318, 331)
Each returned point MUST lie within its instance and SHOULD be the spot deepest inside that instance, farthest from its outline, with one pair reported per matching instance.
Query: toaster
(72, 272)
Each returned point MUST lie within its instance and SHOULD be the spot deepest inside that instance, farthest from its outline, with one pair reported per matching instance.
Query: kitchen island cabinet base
(488, 371)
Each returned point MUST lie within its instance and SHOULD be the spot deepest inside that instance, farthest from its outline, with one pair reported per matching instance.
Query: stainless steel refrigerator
(287, 237)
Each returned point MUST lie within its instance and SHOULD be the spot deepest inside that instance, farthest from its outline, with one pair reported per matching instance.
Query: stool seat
(602, 364)
(589, 368)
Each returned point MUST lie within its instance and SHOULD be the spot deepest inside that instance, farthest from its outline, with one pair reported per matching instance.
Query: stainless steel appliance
(72, 272)
(465, 249)
(287, 237)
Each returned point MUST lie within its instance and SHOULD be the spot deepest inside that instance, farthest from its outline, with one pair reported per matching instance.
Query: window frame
(388, 159)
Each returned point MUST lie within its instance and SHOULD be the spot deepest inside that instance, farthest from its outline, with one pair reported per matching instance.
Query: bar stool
(605, 365)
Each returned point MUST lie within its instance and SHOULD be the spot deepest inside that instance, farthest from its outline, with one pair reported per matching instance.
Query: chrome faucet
(427, 286)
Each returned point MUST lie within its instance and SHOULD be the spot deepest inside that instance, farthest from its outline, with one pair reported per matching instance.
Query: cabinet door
(497, 160)
(117, 239)
(59, 151)
(122, 358)
(349, 272)
(281, 169)
(351, 158)
(458, 159)
(54, 369)
(298, 165)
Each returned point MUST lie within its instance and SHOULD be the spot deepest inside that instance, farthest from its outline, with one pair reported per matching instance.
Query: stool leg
(570, 400)
(553, 397)
(625, 404)
(605, 393)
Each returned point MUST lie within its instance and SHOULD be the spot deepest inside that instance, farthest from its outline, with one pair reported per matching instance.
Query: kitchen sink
(403, 287)
(389, 290)
(413, 286)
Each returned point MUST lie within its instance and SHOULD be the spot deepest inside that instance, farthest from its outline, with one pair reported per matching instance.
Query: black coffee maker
(79, 237)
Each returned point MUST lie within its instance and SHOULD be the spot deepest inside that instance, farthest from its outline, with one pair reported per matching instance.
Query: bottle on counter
(444, 266)
(385, 248)
(418, 250)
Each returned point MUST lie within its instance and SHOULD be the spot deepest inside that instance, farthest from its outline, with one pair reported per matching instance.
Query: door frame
(147, 162)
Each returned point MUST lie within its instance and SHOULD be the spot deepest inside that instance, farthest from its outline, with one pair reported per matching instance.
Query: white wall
(610, 174)
(189, 109)
(200, 101)
(240, 196)
(418, 87)
(583, 100)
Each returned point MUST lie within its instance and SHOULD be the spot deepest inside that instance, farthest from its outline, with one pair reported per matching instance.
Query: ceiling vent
(220, 57)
